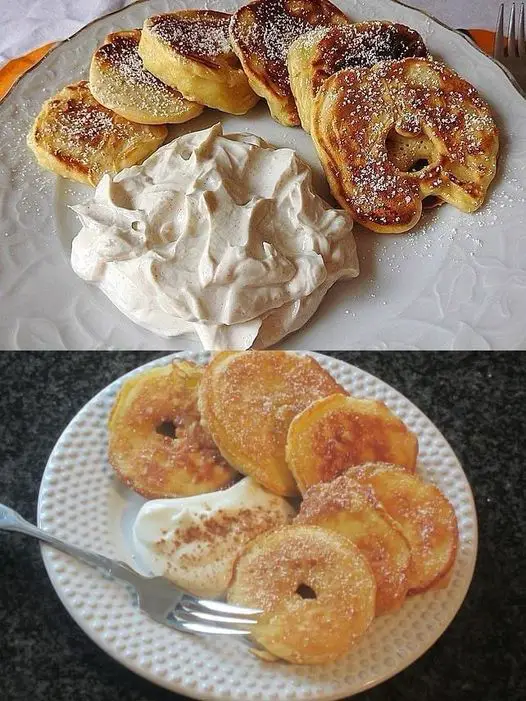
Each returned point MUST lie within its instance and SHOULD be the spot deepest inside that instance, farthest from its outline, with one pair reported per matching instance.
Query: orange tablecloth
(18, 66)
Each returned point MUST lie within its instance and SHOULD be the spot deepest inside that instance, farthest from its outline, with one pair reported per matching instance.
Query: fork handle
(10, 520)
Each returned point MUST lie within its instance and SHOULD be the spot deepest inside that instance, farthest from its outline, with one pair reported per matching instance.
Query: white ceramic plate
(457, 281)
(81, 500)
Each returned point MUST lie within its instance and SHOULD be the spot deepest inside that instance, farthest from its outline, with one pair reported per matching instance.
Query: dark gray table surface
(476, 400)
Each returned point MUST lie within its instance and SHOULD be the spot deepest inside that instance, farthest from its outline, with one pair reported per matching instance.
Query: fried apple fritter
(157, 445)
(355, 113)
(247, 401)
(119, 81)
(315, 588)
(425, 516)
(350, 508)
(338, 431)
(261, 33)
(76, 137)
(317, 55)
(190, 50)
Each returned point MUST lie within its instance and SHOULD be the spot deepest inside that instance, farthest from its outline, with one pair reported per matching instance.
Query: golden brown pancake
(356, 111)
(339, 431)
(157, 445)
(190, 50)
(351, 509)
(425, 516)
(261, 33)
(315, 588)
(316, 56)
(119, 81)
(76, 137)
(247, 401)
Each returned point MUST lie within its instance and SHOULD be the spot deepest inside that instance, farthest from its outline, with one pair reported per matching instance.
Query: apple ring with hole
(339, 431)
(316, 590)
(350, 508)
(425, 516)
(357, 110)
(157, 445)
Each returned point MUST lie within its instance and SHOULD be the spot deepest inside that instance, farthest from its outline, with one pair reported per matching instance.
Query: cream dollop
(194, 541)
(222, 235)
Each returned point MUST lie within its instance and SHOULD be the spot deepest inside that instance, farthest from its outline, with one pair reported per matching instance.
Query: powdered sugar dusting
(365, 44)
(419, 98)
(80, 136)
(267, 28)
(122, 54)
(150, 93)
(84, 124)
(194, 33)
(81, 124)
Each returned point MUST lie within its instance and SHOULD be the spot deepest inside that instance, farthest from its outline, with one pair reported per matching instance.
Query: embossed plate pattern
(82, 501)
(457, 281)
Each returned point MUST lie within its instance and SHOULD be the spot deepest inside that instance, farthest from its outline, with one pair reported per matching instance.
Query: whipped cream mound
(195, 541)
(220, 235)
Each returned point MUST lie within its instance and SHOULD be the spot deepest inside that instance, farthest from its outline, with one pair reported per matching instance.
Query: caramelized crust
(261, 33)
(351, 509)
(316, 56)
(339, 431)
(190, 50)
(425, 517)
(248, 400)
(119, 81)
(276, 569)
(76, 137)
(363, 45)
(115, 52)
(157, 444)
(201, 35)
(415, 98)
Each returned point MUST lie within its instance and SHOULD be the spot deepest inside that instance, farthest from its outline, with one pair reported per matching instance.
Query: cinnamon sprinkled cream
(195, 541)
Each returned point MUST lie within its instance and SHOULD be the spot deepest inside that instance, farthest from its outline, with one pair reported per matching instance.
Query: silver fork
(157, 597)
(512, 56)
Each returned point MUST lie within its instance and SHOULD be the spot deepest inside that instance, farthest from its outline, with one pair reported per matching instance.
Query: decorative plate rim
(149, 674)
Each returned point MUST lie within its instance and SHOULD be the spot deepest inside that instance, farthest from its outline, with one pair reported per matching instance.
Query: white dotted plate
(456, 281)
(81, 501)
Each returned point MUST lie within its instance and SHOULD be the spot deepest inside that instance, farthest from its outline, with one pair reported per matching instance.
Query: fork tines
(516, 45)
(220, 607)
(213, 617)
